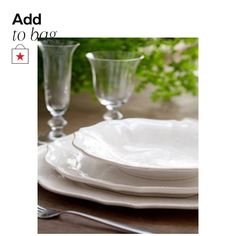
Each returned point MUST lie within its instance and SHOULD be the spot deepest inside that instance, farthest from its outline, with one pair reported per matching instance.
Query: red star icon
(19, 57)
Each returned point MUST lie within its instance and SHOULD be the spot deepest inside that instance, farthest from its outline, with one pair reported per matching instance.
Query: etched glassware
(57, 63)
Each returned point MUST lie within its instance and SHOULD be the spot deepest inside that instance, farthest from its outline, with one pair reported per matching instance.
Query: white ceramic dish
(54, 182)
(77, 166)
(159, 149)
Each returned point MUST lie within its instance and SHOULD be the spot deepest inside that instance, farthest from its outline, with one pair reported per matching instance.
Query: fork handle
(108, 222)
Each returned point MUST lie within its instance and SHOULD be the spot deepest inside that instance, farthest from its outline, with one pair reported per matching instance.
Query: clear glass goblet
(57, 62)
(113, 75)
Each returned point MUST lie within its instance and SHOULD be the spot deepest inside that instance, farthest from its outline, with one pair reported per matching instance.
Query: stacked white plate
(139, 163)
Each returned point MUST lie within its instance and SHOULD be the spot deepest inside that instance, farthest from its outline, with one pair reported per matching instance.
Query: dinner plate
(160, 149)
(77, 166)
(49, 179)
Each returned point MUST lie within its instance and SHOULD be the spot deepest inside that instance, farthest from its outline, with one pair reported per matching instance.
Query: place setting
(84, 165)
(137, 162)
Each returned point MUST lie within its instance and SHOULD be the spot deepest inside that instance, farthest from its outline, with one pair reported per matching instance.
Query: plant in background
(169, 66)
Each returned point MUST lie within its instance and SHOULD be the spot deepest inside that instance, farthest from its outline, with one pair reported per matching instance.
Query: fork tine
(40, 211)
(41, 208)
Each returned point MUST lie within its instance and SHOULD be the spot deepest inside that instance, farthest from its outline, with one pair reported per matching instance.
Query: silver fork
(47, 213)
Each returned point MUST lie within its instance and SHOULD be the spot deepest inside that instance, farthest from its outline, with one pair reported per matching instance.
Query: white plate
(77, 166)
(143, 147)
(54, 182)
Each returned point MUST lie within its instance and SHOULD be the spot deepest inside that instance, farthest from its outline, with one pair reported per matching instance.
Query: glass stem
(112, 114)
(57, 124)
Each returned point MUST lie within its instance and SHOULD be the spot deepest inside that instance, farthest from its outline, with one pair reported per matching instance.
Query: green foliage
(170, 64)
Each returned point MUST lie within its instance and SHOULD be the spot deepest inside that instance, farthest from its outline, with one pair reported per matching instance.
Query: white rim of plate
(144, 204)
(120, 187)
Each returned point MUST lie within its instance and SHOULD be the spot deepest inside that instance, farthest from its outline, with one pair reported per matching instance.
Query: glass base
(56, 124)
(113, 115)
(49, 137)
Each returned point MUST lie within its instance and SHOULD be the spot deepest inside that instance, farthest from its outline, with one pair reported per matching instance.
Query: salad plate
(77, 166)
(49, 179)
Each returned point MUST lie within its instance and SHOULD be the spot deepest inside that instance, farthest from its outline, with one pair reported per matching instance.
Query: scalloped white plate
(54, 182)
(159, 149)
(77, 166)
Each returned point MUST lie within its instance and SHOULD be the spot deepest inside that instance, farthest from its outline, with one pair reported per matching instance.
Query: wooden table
(84, 111)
